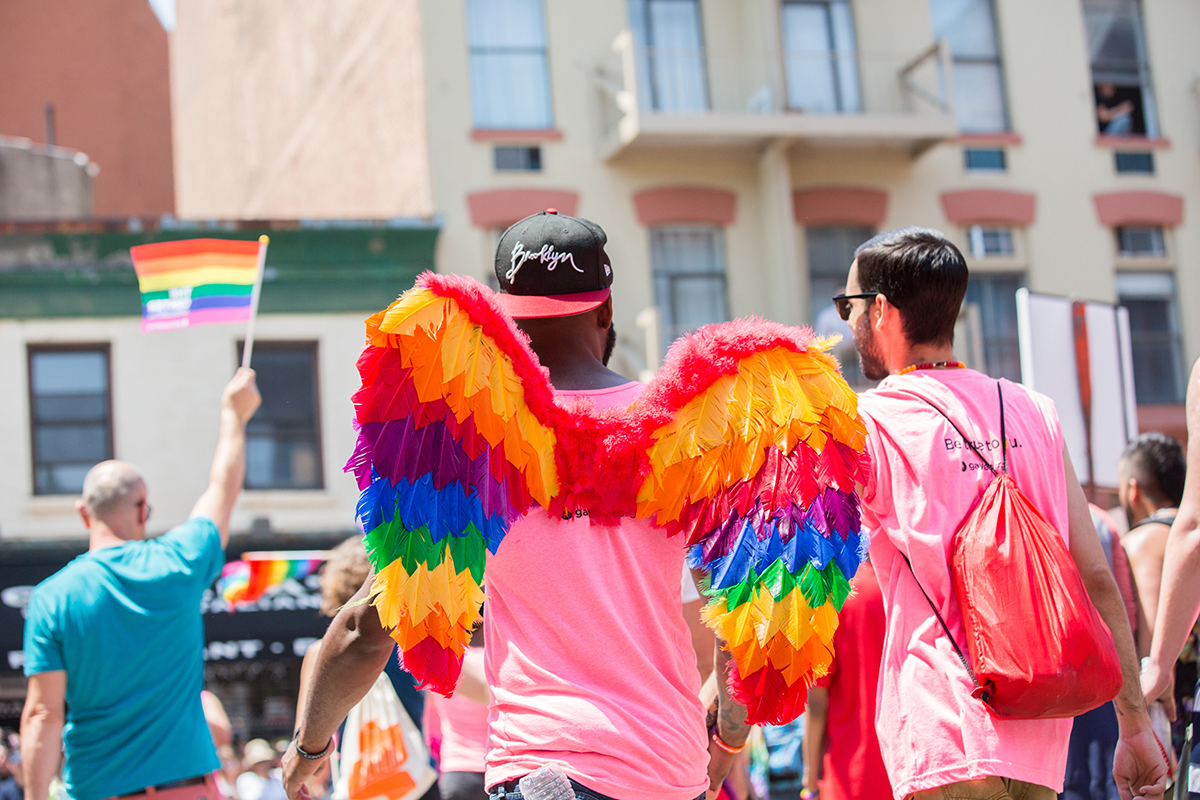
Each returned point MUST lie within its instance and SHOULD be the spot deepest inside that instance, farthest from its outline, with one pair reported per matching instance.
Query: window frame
(988, 343)
(545, 52)
(998, 61)
(668, 316)
(1178, 340)
(1129, 257)
(1145, 85)
(645, 61)
(1013, 262)
(835, 57)
(813, 273)
(31, 349)
(977, 233)
(1002, 169)
(313, 345)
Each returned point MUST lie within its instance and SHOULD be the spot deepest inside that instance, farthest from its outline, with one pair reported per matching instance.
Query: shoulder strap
(945, 627)
(971, 444)
(1168, 521)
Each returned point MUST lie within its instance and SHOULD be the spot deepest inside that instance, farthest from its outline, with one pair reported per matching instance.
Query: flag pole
(248, 347)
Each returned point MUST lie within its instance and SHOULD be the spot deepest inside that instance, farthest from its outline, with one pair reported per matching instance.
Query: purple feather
(842, 513)
(816, 515)
(720, 541)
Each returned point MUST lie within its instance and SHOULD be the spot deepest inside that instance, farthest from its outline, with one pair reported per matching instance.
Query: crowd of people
(589, 656)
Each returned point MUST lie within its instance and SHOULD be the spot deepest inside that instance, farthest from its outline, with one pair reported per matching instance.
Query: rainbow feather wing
(758, 469)
(450, 451)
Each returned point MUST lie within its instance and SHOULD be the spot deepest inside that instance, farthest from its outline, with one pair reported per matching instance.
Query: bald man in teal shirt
(114, 640)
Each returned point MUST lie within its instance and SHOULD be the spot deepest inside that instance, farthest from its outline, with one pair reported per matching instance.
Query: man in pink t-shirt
(587, 653)
(902, 300)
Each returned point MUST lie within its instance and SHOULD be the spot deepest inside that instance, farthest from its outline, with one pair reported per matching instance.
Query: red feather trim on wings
(748, 443)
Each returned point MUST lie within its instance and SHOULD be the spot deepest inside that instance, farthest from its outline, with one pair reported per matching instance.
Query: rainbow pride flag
(197, 281)
(257, 573)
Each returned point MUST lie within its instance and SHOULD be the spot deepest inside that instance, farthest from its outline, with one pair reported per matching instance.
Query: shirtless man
(1151, 477)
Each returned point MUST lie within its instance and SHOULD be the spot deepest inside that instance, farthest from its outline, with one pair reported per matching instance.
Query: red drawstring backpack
(1039, 648)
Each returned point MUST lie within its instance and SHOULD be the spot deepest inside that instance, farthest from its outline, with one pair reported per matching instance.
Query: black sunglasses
(842, 301)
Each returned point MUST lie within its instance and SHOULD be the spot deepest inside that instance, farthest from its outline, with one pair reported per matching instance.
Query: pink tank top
(589, 658)
(925, 482)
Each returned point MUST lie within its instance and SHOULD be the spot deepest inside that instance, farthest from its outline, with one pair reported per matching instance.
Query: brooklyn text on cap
(552, 265)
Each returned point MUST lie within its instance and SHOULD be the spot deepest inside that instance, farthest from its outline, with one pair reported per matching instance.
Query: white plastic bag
(383, 754)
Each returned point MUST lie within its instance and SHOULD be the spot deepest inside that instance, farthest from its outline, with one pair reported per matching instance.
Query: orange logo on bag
(379, 770)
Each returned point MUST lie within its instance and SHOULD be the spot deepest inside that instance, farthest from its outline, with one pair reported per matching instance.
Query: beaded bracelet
(809, 794)
(733, 750)
(313, 756)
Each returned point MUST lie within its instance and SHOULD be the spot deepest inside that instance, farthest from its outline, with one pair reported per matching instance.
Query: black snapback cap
(552, 265)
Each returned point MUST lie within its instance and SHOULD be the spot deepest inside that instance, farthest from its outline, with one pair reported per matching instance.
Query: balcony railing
(671, 97)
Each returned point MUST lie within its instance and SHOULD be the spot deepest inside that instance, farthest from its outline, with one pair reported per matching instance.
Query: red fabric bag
(1038, 646)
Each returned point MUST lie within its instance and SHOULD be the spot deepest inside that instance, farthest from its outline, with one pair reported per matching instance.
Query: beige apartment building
(736, 151)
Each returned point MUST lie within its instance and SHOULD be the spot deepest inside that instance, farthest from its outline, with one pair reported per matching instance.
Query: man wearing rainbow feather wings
(511, 446)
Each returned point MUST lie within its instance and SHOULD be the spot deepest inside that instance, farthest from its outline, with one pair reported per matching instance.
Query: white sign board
(1047, 330)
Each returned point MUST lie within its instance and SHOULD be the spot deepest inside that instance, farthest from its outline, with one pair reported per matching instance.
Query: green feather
(812, 586)
(841, 587)
(468, 552)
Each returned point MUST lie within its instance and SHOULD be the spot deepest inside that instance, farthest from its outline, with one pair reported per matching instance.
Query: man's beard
(869, 359)
(610, 344)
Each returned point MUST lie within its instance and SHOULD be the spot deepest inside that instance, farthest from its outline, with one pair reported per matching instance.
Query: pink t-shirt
(463, 724)
(924, 484)
(589, 658)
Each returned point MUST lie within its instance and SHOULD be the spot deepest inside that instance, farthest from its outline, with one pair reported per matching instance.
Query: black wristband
(312, 756)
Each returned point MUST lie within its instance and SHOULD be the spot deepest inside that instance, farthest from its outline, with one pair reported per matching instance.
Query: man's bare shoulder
(1146, 541)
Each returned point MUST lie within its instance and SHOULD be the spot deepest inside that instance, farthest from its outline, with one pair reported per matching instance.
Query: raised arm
(239, 401)
(353, 652)
(1179, 597)
(1139, 766)
(41, 731)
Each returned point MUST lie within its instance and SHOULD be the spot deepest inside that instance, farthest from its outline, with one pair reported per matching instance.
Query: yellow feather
(417, 309)
(711, 417)
(795, 622)
(506, 388)
(825, 622)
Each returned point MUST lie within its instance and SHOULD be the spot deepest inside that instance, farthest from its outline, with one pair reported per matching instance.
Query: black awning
(279, 626)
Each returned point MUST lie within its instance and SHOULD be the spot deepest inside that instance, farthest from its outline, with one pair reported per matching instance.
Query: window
(830, 252)
(970, 28)
(1135, 162)
(70, 415)
(995, 295)
(518, 159)
(670, 41)
(989, 159)
(1155, 335)
(510, 81)
(283, 448)
(990, 242)
(819, 50)
(1141, 241)
(689, 277)
(1120, 68)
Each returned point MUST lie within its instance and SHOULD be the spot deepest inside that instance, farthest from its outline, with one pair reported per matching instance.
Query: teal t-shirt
(124, 622)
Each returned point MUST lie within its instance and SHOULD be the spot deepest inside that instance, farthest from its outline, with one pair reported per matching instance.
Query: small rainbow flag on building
(248, 580)
(198, 281)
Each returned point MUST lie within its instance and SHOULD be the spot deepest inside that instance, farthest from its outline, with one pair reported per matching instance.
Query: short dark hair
(1159, 465)
(920, 272)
